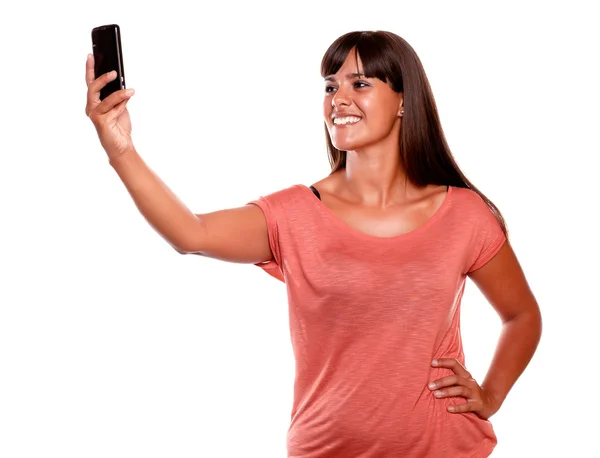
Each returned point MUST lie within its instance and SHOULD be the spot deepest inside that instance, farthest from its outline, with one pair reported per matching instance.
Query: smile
(346, 121)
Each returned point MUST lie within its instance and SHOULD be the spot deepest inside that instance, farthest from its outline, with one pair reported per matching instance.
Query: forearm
(156, 202)
(518, 341)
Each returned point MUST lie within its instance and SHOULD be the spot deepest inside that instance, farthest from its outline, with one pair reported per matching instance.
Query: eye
(329, 89)
(359, 84)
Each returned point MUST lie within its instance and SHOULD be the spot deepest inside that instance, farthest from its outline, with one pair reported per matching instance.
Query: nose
(341, 97)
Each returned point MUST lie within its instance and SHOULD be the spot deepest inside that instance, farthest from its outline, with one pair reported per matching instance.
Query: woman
(375, 258)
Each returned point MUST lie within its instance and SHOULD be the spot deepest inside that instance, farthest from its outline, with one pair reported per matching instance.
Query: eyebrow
(349, 76)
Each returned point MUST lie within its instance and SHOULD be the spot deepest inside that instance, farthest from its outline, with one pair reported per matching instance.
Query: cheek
(381, 115)
(327, 108)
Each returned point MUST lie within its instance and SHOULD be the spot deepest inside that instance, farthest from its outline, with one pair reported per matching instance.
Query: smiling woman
(360, 110)
(375, 258)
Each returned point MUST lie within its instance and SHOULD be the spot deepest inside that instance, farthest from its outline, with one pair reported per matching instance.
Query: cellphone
(108, 56)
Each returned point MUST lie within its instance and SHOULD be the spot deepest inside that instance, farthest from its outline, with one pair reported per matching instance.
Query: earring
(402, 112)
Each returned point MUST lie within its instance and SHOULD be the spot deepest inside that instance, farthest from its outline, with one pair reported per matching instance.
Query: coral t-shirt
(367, 316)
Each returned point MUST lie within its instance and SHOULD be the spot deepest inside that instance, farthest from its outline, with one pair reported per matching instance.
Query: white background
(113, 345)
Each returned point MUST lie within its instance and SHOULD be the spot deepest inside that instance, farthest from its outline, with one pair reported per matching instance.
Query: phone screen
(108, 56)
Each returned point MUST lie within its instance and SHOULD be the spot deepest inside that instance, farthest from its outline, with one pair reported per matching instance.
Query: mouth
(346, 121)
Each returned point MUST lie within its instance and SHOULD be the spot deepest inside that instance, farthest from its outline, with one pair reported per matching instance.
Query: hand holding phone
(108, 56)
(106, 95)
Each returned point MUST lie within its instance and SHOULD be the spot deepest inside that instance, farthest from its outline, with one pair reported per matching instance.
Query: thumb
(118, 109)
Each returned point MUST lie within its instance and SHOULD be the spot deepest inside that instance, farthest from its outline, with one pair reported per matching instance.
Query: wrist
(124, 156)
(497, 399)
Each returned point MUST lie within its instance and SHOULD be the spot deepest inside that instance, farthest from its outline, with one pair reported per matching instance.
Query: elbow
(193, 242)
(178, 248)
(186, 248)
(192, 239)
(531, 320)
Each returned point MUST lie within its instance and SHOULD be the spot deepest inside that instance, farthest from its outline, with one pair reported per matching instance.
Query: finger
(452, 363)
(454, 391)
(113, 100)
(447, 381)
(462, 408)
(93, 98)
(89, 70)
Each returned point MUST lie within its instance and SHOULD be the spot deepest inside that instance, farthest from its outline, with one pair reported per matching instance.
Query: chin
(347, 145)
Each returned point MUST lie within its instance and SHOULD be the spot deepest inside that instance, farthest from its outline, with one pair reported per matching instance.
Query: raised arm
(235, 235)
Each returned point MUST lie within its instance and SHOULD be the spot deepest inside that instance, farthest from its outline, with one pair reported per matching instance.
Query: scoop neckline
(363, 235)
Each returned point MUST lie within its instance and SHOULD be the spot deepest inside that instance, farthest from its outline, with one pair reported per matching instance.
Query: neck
(374, 176)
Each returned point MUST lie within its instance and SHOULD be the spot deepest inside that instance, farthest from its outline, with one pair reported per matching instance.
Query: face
(360, 112)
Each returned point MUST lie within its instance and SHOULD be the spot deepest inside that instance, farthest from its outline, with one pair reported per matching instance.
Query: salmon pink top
(367, 316)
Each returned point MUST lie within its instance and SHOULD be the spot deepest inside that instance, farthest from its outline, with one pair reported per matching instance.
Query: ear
(401, 105)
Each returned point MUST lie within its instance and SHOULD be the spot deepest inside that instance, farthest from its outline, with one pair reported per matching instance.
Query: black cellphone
(108, 56)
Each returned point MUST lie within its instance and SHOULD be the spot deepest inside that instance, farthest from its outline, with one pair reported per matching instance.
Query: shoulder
(470, 208)
(331, 183)
(471, 212)
(283, 201)
(469, 202)
(467, 196)
(284, 195)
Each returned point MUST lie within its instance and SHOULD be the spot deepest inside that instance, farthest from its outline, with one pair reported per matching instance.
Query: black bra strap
(316, 192)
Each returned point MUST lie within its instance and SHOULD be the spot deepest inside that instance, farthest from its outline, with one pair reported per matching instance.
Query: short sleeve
(268, 208)
(488, 238)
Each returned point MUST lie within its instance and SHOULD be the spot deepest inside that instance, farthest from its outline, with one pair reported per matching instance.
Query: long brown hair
(424, 152)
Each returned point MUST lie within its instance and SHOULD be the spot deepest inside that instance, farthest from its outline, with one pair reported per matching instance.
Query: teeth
(346, 120)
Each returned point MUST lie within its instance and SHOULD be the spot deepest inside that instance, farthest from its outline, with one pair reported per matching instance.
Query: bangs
(377, 56)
